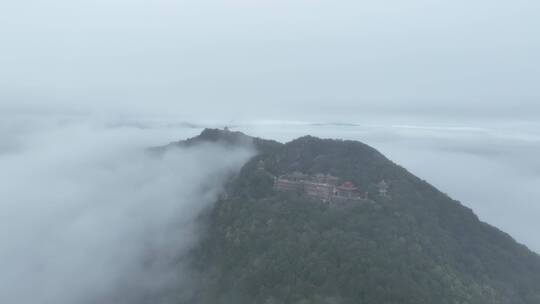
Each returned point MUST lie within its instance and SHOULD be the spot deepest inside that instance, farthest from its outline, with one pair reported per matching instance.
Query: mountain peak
(409, 243)
(222, 135)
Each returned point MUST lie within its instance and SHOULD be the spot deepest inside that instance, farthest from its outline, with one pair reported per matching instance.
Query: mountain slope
(415, 246)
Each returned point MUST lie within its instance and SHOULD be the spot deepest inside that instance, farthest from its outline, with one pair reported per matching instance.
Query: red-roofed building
(347, 191)
(319, 186)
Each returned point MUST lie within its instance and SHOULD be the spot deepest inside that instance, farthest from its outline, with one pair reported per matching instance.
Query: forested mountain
(415, 245)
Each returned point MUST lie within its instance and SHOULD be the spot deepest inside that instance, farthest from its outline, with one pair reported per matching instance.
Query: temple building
(347, 191)
(383, 188)
(326, 179)
(284, 184)
(318, 190)
(320, 186)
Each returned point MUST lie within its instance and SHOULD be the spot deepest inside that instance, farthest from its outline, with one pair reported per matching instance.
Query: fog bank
(86, 216)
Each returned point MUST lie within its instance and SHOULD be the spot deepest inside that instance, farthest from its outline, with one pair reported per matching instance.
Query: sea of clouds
(88, 216)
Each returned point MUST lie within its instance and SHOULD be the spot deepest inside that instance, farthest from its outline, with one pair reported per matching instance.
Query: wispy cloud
(88, 217)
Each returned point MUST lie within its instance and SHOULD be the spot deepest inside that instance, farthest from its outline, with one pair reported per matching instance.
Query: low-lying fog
(86, 216)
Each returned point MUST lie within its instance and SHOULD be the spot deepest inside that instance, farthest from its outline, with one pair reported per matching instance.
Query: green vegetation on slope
(419, 246)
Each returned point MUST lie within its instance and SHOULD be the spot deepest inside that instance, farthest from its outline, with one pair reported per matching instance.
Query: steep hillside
(415, 245)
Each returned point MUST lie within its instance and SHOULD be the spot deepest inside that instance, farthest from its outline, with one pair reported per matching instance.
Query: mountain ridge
(420, 246)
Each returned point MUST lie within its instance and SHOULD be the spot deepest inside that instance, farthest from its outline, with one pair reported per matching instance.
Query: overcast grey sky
(233, 59)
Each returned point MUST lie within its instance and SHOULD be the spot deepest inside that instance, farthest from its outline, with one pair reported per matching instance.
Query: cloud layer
(88, 217)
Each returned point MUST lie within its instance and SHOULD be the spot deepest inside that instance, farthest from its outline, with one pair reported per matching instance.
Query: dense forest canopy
(415, 246)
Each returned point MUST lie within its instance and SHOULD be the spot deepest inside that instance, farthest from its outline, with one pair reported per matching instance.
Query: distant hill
(414, 246)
